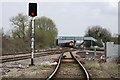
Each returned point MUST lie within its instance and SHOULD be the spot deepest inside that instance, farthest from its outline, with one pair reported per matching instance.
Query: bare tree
(20, 23)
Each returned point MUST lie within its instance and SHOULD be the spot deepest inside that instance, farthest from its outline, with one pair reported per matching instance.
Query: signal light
(32, 9)
(32, 14)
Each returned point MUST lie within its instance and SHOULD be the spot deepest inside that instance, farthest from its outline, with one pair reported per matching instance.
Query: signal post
(32, 14)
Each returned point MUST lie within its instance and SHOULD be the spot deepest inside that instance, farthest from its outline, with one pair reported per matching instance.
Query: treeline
(45, 34)
(20, 38)
(102, 35)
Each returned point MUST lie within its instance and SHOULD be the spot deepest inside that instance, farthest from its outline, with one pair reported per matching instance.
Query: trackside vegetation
(19, 39)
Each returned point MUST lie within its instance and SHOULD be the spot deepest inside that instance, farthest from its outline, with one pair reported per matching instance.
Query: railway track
(29, 52)
(28, 55)
(74, 70)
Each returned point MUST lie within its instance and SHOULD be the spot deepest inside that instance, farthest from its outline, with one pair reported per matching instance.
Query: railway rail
(29, 52)
(79, 73)
(28, 55)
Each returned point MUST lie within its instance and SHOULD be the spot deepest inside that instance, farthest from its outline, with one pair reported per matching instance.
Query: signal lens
(32, 14)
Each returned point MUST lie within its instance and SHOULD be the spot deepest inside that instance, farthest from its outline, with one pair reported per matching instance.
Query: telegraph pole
(32, 13)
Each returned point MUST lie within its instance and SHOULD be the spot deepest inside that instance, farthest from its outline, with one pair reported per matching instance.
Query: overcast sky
(71, 18)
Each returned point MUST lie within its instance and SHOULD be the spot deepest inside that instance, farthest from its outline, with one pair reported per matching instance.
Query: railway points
(80, 71)
(89, 56)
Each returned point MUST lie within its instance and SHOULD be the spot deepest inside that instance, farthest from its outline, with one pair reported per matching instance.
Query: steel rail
(10, 59)
(13, 56)
(85, 71)
(27, 56)
(29, 52)
(57, 67)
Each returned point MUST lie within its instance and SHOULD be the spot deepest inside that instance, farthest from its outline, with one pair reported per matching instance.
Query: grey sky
(71, 18)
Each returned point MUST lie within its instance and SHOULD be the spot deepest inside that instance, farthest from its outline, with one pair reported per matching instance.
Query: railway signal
(32, 9)
(32, 13)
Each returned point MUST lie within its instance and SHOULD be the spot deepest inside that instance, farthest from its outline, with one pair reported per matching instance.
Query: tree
(20, 23)
(101, 34)
(46, 32)
(20, 39)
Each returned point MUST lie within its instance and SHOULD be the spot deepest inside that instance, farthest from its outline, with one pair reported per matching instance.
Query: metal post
(105, 51)
(32, 42)
(91, 44)
(94, 53)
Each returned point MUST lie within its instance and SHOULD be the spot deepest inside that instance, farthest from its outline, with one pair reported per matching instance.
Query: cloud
(95, 12)
(113, 3)
(70, 18)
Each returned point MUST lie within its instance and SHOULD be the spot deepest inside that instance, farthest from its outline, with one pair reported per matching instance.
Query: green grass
(40, 67)
(47, 66)
(95, 66)
(34, 68)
